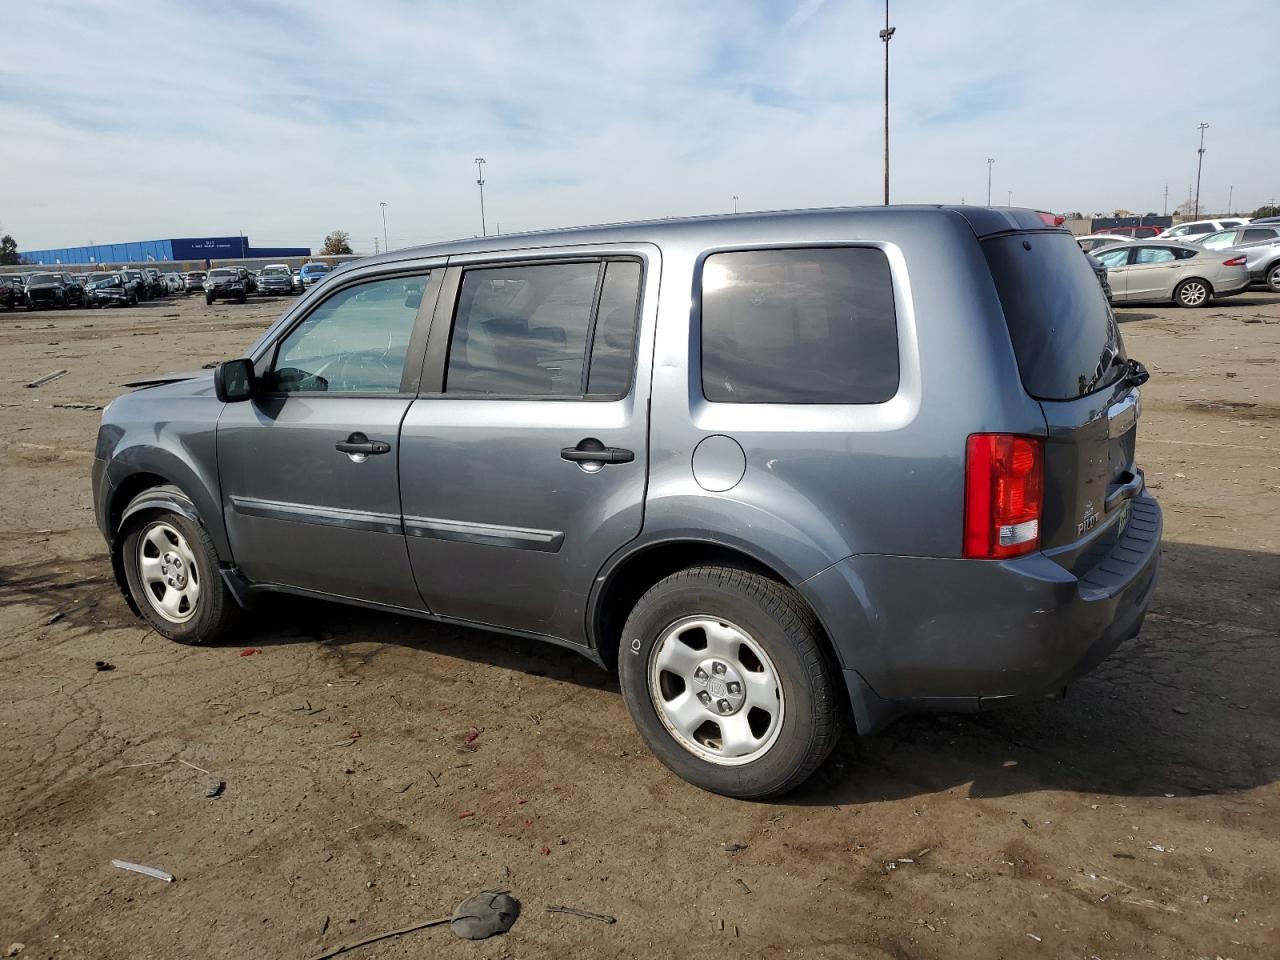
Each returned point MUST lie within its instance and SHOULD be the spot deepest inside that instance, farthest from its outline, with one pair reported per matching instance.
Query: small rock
(733, 848)
(15, 948)
(214, 788)
(103, 665)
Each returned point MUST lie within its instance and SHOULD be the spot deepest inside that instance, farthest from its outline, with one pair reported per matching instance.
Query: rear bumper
(1225, 288)
(916, 633)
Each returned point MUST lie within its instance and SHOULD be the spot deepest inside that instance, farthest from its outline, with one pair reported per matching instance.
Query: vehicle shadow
(1127, 316)
(1187, 708)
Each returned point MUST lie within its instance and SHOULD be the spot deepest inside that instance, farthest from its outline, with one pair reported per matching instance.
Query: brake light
(1234, 262)
(1003, 495)
(1051, 219)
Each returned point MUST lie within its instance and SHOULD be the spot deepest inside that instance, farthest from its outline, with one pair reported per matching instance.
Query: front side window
(545, 330)
(354, 342)
(806, 325)
(1219, 240)
(1153, 255)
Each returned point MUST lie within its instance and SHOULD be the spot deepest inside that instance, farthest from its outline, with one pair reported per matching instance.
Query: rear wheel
(172, 571)
(1273, 278)
(208, 299)
(724, 674)
(1192, 293)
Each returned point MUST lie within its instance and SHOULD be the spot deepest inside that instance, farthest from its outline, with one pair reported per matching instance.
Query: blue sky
(287, 120)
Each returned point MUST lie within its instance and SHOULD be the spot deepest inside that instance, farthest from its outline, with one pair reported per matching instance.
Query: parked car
(193, 281)
(1265, 220)
(156, 284)
(1197, 228)
(109, 290)
(1093, 241)
(1100, 271)
(275, 278)
(226, 283)
(1260, 245)
(12, 293)
(137, 282)
(1163, 271)
(638, 441)
(313, 273)
(48, 290)
(1145, 231)
(173, 281)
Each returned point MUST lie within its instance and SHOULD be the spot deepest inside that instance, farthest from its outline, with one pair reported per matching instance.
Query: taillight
(1234, 262)
(1003, 495)
(1051, 219)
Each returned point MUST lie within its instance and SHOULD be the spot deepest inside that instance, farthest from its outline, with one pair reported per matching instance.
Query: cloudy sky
(138, 120)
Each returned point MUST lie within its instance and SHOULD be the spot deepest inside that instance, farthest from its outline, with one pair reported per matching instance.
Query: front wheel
(1192, 293)
(725, 675)
(171, 568)
(1273, 278)
(208, 300)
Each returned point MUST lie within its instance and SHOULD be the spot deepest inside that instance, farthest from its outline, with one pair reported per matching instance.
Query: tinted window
(354, 342)
(1254, 234)
(613, 345)
(799, 326)
(1153, 255)
(522, 331)
(1185, 254)
(1062, 329)
(1198, 228)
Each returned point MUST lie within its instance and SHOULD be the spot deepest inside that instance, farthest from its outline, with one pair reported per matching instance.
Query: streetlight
(735, 203)
(1009, 200)
(383, 205)
(480, 183)
(886, 35)
(1199, 163)
(990, 162)
(1231, 192)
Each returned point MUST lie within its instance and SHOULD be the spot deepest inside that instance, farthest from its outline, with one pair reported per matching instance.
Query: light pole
(990, 163)
(886, 35)
(383, 205)
(480, 184)
(1231, 192)
(735, 203)
(1199, 163)
(376, 251)
(1008, 198)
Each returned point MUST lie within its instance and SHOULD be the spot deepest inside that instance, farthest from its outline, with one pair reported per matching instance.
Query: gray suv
(778, 470)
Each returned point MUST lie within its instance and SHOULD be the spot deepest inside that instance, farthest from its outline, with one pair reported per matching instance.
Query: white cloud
(291, 120)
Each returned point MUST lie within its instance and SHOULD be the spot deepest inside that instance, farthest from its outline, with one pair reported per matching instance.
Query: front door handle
(592, 450)
(358, 447)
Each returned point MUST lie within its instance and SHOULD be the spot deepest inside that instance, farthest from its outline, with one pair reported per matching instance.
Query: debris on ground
(15, 948)
(249, 651)
(733, 848)
(743, 885)
(574, 911)
(48, 377)
(102, 666)
(77, 406)
(145, 871)
(214, 788)
(488, 913)
(53, 619)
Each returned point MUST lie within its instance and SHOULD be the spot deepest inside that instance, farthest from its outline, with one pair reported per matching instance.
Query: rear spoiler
(989, 221)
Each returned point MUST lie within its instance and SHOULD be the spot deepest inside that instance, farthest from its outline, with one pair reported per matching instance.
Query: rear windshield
(221, 274)
(1061, 325)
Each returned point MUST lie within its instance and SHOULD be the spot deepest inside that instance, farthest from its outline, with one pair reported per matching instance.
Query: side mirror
(233, 380)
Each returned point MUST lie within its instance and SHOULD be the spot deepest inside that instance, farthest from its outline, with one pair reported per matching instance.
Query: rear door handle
(1127, 489)
(592, 450)
(358, 443)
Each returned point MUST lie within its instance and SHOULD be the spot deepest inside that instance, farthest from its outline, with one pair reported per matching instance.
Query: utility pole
(990, 163)
(1199, 163)
(383, 205)
(735, 203)
(376, 251)
(480, 183)
(1231, 192)
(1009, 198)
(1166, 199)
(886, 35)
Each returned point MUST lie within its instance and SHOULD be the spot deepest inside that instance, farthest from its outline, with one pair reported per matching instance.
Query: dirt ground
(380, 769)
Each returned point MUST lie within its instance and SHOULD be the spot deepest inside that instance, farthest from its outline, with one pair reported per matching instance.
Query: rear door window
(1063, 331)
(809, 325)
(1254, 234)
(1152, 255)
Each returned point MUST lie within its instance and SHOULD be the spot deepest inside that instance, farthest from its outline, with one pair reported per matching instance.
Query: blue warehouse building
(178, 249)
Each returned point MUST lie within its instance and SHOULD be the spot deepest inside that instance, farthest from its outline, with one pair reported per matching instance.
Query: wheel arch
(630, 575)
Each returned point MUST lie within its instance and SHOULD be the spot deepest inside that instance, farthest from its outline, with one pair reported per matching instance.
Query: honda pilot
(783, 472)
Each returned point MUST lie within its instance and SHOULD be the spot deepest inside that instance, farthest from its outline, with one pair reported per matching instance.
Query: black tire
(773, 616)
(208, 300)
(215, 608)
(1273, 277)
(1192, 293)
(243, 298)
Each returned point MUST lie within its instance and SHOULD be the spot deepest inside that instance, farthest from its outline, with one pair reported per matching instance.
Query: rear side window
(1063, 332)
(810, 325)
(545, 330)
(1253, 234)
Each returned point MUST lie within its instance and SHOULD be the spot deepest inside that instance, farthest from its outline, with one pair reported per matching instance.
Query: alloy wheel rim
(1193, 294)
(169, 573)
(716, 690)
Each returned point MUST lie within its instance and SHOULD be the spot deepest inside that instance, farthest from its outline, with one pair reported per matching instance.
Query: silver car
(1260, 244)
(1195, 229)
(1155, 270)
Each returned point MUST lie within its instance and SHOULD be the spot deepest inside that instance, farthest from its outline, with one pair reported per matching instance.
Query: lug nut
(723, 706)
(700, 674)
(718, 669)
(735, 687)
(704, 697)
